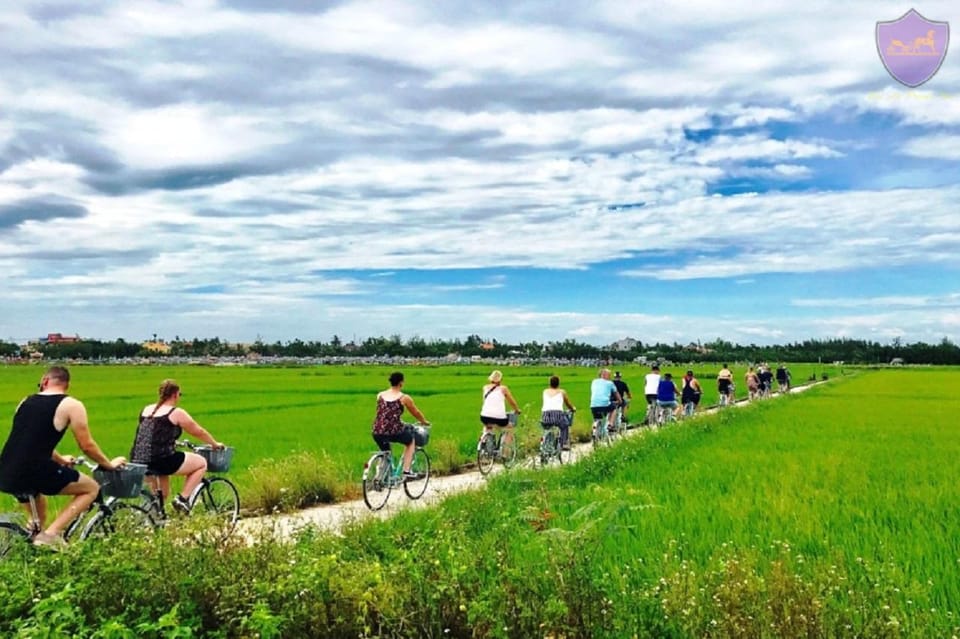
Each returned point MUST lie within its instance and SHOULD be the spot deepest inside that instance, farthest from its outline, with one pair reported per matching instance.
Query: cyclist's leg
(193, 468)
(409, 446)
(83, 492)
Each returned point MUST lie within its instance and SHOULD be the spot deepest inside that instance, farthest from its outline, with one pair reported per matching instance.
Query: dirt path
(332, 517)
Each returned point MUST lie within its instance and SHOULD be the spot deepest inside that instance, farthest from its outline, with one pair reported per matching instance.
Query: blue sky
(522, 171)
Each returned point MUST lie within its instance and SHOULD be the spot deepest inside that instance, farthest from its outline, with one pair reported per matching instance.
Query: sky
(284, 169)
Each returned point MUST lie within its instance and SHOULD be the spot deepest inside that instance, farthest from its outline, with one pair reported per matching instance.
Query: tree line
(851, 351)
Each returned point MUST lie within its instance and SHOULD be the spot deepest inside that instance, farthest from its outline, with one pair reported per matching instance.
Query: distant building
(155, 346)
(896, 361)
(625, 344)
(697, 348)
(59, 338)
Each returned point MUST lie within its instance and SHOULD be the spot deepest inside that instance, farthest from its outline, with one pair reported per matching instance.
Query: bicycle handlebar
(186, 443)
(80, 460)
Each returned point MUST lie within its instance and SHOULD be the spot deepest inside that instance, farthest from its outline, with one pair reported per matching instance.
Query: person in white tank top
(493, 412)
(552, 413)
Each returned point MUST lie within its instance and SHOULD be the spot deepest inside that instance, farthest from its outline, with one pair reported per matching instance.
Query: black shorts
(47, 477)
(167, 465)
(651, 398)
(403, 437)
(601, 411)
(494, 421)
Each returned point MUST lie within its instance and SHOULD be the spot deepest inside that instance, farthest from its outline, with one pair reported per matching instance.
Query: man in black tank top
(29, 465)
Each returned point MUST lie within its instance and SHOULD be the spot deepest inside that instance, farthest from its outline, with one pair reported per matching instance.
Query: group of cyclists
(608, 392)
(31, 468)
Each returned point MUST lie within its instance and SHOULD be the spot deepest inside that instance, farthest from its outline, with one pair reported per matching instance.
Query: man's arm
(75, 414)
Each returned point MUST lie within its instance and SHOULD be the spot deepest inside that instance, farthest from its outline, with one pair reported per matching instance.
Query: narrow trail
(333, 517)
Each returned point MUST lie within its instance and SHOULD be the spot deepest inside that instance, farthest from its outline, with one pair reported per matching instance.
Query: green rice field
(272, 414)
(829, 513)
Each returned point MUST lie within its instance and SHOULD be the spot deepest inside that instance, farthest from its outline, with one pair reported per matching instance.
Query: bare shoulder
(70, 404)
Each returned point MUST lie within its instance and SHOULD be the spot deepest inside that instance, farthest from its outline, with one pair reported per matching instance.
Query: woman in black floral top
(387, 425)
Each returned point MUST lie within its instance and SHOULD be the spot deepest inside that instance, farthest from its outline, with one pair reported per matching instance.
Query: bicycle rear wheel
(118, 517)
(421, 466)
(508, 452)
(486, 453)
(376, 481)
(596, 435)
(10, 535)
(218, 497)
(548, 444)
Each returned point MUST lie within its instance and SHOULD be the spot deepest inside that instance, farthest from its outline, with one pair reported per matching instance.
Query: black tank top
(32, 438)
(156, 438)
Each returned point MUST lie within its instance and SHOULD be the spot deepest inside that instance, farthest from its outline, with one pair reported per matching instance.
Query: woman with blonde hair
(493, 412)
(160, 425)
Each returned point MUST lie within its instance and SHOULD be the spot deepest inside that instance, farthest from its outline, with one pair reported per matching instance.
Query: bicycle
(12, 532)
(665, 414)
(106, 516)
(652, 412)
(600, 434)
(493, 447)
(728, 398)
(102, 518)
(216, 497)
(551, 448)
(619, 427)
(381, 473)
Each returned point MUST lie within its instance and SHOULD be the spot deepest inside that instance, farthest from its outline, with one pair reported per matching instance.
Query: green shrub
(297, 481)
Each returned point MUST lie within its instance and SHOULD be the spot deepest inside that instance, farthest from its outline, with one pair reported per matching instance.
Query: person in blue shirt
(604, 397)
(667, 394)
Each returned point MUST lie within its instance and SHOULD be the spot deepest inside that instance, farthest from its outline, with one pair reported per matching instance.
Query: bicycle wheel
(614, 431)
(508, 452)
(486, 453)
(421, 466)
(120, 518)
(218, 498)
(548, 446)
(376, 481)
(10, 535)
(75, 526)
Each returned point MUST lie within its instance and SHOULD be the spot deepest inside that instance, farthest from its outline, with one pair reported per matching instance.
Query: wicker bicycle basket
(123, 483)
(218, 459)
(421, 435)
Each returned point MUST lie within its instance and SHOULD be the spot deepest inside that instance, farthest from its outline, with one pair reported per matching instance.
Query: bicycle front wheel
(119, 517)
(10, 535)
(415, 487)
(376, 481)
(218, 498)
(486, 453)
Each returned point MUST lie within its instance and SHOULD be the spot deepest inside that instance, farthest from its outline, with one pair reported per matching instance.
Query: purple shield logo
(912, 48)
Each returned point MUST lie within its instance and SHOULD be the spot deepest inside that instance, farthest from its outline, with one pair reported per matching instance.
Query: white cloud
(187, 135)
(382, 136)
(940, 147)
